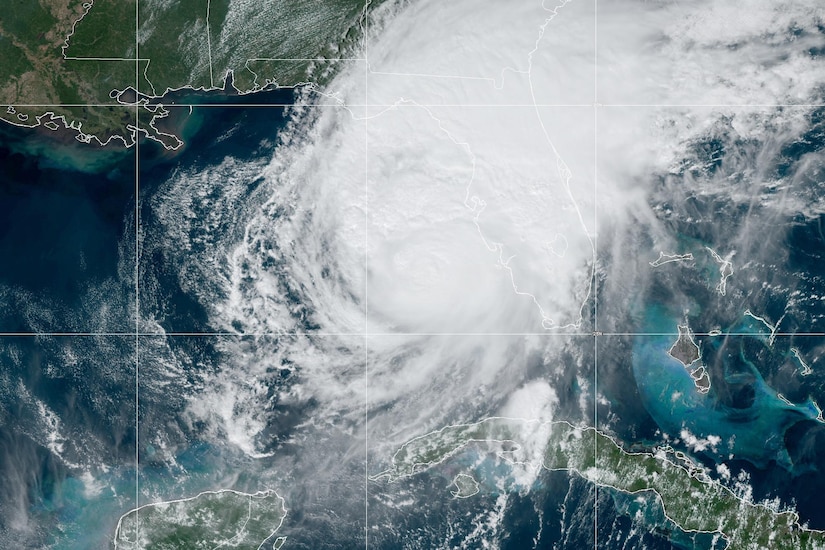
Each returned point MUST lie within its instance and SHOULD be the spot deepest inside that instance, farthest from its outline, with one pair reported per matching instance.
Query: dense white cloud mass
(452, 206)
(742, 52)
(437, 235)
(513, 187)
(460, 53)
(501, 143)
(476, 223)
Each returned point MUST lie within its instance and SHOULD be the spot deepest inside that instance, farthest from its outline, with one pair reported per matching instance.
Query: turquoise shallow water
(85, 511)
(68, 223)
(754, 432)
(85, 519)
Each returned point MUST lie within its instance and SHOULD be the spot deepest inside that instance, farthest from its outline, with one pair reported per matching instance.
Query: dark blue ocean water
(67, 404)
(65, 212)
(67, 238)
(763, 405)
(245, 134)
(776, 443)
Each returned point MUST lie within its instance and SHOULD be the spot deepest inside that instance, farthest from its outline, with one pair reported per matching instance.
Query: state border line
(139, 59)
(366, 334)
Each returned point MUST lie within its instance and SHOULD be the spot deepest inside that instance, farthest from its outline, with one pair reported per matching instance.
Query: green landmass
(225, 519)
(692, 501)
(69, 61)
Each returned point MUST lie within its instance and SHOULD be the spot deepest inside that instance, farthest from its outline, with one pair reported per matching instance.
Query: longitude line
(366, 278)
(137, 276)
(595, 264)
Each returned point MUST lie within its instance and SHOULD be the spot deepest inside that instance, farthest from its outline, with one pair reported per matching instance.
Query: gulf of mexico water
(212, 134)
(65, 224)
(67, 402)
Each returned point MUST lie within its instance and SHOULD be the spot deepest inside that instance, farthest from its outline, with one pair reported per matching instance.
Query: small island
(806, 369)
(671, 258)
(690, 499)
(701, 379)
(725, 270)
(688, 353)
(685, 349)
(466, 486)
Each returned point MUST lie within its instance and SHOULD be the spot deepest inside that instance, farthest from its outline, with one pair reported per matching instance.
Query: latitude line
(159, 101)
(399, 334)
(595, 334)
(366, 333)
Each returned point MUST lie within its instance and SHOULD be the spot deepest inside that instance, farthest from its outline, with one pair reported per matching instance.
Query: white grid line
(159, 101)
(595, 265)
(397, 334)
(137, 275)
(366, 278)
(137, 334)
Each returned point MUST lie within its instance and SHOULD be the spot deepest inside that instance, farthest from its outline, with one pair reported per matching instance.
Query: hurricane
(490, 210)
(438, 236)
